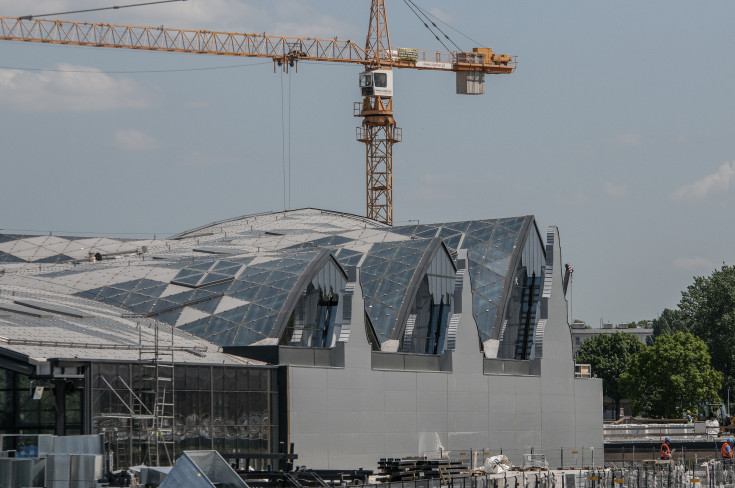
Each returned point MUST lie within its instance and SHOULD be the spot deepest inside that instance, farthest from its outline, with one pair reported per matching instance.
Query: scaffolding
(156, 359)
(143, 431)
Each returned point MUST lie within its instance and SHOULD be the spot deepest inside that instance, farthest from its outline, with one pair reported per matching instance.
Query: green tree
(670, 321)
(670, 377)
(609, 356)
(707, 308)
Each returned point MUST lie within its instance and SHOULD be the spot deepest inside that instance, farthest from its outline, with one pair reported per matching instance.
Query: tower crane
(378, 130)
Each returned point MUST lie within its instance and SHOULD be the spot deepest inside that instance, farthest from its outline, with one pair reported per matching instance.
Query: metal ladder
(156, 358)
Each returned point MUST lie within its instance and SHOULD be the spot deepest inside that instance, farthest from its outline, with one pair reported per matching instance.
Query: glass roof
(490, 244)
(233, 301)
(385, 275)
(235, 296)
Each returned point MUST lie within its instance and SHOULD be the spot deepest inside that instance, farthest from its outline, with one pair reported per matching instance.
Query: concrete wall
(350, 417)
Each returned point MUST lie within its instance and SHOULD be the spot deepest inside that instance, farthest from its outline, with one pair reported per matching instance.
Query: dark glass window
(381, 80)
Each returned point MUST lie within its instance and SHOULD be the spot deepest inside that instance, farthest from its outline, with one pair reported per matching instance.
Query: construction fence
(690, 474)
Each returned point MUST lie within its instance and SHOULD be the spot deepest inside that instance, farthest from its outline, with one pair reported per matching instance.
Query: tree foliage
(670, 377)
(707, 308)
(609, 356)
(669, 322)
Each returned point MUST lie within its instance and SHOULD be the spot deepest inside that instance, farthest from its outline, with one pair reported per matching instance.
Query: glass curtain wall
(28, 406)
(522, 311)
(431, 308)
(233, 410)
(316, 320)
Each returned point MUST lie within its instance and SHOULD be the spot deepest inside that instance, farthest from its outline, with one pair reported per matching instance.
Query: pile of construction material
(412, 468)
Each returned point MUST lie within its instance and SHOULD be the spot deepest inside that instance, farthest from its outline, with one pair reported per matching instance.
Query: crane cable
(428, 14)
(286, 145)
(114, 7)
(413, 7)
(101, 72)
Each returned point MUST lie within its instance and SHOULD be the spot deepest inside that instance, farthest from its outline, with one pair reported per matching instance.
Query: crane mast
(378, 130)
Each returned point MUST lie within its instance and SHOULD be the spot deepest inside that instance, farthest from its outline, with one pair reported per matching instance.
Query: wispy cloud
(711, 186)
(134, 140)
(695, 263)
(71, 88)
(297, 18)
(441, 14)
(629, 139)
(615, 190)
(574, 199)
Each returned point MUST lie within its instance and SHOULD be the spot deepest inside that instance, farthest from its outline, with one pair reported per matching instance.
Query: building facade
(350, 340)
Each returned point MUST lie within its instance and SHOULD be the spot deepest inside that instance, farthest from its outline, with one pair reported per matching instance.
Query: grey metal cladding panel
(299, 356)
(391, 361)
(418, 362)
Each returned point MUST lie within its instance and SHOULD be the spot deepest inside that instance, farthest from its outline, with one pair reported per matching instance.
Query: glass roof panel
(458, 226)
(387, 287)
(208, 306)
(236, 315)
(507, 243)
(223, 338)
(128, 285)
(213, 278)
(393, 301)
(470, 243)
(263, 325)
(197, 327)
(256, 312)
(219, 266)
(481, 232)
(476, 254)
(179, 298)
(453, 241)
(220, 287)
(142, 308)
(161, 304)
(135, 298)
(493, 253)
(501, 232)
(246, 336)
(405, 230)
(273, 302)
(190, 280)
(514, 224)
(285, 285)
(201, 266)
(499, 266)
(383, 250)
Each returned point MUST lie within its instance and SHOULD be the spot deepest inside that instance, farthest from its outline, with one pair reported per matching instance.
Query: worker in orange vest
(726, 450)
(666, 449)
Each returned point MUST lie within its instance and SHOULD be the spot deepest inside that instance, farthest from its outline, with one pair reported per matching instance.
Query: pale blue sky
(616, 127)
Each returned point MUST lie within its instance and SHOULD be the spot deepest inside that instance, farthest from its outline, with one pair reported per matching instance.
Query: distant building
(581, 332)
